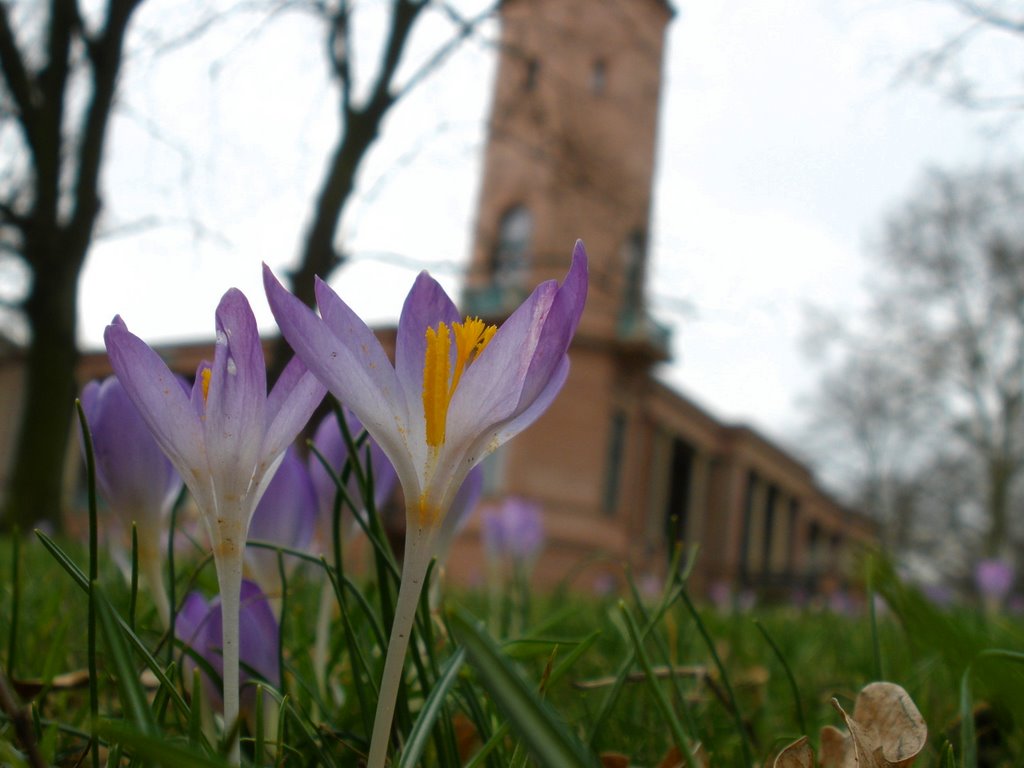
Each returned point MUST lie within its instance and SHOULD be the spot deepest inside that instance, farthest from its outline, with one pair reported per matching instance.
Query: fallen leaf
(614, 760)
(797, 755)
(886, 730)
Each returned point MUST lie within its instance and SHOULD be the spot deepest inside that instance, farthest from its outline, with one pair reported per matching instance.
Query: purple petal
(462, 507)
(236, 398)
(343, 354)
(285, 515)
(200, 625)
(559, 326)
(258, 648)
(295, 396)
(135, 477)
(425, 307)
(159, 398)
(491, 389)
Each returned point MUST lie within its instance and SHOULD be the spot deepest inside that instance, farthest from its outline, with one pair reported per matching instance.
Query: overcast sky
(783, 143)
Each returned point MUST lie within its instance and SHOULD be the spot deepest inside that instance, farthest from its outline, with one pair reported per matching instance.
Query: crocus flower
(285, 516)
(199, 625)
(134, 477)
(458, 389)
(994, 579)
(514, 530)
(226, 440)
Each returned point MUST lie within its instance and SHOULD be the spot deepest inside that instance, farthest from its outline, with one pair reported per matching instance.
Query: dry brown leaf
(672, 759)
(834, 745)
(797, 755)
(614, 760)
(886, 730)
(900, 731)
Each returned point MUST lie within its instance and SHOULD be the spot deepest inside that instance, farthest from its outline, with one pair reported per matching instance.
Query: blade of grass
(432, 707)
(968, 738)
(134, 593)
(681, 739)
(12, 637)
(530, 716)
(133, 697)
(741, 726)
(90, 472)
(627, 664)
(158, 750)
(79, 578)
(789, 675)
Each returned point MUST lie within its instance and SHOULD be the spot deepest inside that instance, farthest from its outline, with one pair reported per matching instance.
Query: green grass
(570, 685)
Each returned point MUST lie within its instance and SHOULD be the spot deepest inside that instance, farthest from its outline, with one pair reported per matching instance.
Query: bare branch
(465, 29)
(16, 76)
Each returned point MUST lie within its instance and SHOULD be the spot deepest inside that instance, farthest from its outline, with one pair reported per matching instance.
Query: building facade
(625, 469)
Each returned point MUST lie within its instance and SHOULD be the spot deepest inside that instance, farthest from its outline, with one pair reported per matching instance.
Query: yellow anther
(439, 378)
(435, 383)
(206, 374)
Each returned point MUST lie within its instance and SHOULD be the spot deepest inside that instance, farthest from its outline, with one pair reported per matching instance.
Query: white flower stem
(414, 570)
(322, 637)
(229, 576)
(152, 572)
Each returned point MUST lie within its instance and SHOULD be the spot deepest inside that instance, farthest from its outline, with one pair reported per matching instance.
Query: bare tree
(868, 416)
(60, 69)
(940, 367)
(362, 118)
(978, 64)
(58, 57)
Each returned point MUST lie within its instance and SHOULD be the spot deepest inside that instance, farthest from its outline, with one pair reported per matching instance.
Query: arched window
(512, 250)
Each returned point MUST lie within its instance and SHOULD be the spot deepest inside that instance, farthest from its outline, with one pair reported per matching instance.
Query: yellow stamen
(435, 383)
(206, 373)
(439, 382)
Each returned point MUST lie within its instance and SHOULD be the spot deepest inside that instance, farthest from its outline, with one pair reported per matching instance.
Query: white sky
(782, 145)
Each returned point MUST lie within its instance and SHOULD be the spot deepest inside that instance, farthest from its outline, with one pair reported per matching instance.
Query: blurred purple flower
(463, 504)
(330, 443)
(937, 593)
(746, 600)
(514, 529)
(199, 626)
(603, 584)
(134, 477)
(651, 585)
(841, 604)
(993, 579)
(286, 516)
(720, 594)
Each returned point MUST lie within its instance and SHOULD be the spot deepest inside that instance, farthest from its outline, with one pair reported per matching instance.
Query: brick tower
(570, 154)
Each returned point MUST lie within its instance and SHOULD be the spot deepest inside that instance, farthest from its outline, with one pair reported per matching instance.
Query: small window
(511, 253)
(531, 74)
(634, 256)
(599, 77)
(616, 447)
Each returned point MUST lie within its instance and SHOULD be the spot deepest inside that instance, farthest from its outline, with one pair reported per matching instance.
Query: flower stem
(229, 577)
(150, 560)
(414, 570)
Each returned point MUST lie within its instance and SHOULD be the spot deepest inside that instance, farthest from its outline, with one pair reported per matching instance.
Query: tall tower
(570, 154)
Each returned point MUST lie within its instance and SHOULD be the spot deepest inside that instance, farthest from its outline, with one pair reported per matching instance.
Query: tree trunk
(1000, 476)
(36, 485)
